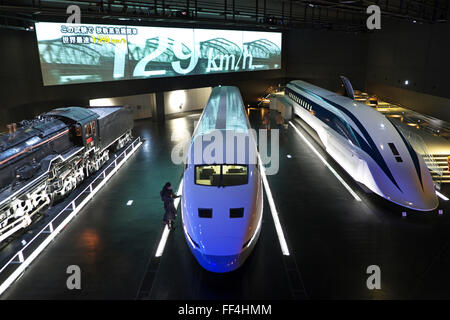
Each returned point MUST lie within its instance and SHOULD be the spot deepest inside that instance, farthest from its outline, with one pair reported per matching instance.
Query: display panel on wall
(78, 53)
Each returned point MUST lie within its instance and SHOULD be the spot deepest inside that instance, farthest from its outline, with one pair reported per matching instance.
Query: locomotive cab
(90, 134)
(83, 122)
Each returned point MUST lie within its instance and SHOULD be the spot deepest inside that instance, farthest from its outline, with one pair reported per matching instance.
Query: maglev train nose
(410, 195)
(420, 202)
(405, 188)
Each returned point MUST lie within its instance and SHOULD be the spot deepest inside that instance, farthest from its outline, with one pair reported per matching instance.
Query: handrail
(421, 148)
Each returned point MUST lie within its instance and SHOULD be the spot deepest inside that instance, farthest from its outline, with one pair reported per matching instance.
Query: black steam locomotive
(46, 158)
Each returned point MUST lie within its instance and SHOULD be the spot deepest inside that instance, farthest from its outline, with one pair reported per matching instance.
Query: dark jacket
(168, 197)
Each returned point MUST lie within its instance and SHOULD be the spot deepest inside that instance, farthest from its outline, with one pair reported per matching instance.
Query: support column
(158, 109)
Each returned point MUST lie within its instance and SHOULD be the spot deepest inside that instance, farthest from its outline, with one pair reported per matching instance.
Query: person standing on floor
(279, 121)
(266, 120)
(167, 196)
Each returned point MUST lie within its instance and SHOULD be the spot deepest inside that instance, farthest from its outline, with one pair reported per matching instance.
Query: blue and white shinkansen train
(222, 199)
(366, 144)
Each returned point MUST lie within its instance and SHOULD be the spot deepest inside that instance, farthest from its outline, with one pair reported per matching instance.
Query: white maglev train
(366, 144)
(222, 202)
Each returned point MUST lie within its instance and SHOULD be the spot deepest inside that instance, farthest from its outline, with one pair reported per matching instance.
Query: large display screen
(78, 53)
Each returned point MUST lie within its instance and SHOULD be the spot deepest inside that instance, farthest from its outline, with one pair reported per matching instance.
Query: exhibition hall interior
(223, 150)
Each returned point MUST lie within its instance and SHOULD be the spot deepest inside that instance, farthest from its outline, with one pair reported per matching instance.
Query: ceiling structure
(347, 15)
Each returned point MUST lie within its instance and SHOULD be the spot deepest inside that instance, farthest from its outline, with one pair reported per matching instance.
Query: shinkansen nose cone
(222, 209)
(221, 224)
(220, 252)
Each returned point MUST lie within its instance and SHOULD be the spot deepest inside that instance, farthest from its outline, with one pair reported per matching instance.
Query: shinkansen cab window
(234, 175)
(207, 175)
(221, 175)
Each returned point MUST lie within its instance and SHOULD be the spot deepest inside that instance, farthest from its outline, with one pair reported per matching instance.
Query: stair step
(439, 163)
(442, 163)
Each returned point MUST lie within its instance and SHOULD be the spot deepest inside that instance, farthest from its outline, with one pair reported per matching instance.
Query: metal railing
(19, 223)
(21, 259)
(421, 148)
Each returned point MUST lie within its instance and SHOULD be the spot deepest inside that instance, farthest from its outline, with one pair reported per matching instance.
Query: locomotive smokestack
(14, 126)
(10, 128)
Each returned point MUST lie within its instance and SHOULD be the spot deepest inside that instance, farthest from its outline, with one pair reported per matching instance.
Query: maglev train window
(221, 175)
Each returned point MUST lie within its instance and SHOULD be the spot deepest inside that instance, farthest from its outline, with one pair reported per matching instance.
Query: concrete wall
(141, 105)
(23, 96)
(317, 56)
(434, 106)
(186, 100)
(320, 56)
(415, 52)
(378, 62)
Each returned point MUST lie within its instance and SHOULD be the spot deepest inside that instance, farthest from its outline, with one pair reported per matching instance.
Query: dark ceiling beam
(301, 12)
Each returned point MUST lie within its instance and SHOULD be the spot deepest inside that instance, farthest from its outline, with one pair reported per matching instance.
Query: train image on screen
(44, 159)
(222, 202)
(366, 144)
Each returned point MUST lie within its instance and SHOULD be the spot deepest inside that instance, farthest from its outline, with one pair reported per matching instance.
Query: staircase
(436, 163)
(438, 167)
